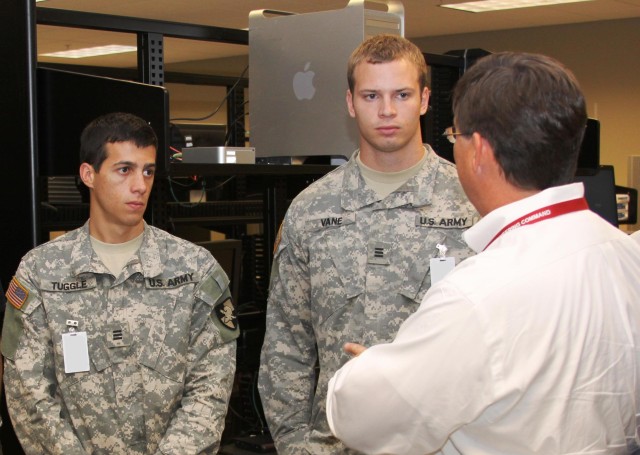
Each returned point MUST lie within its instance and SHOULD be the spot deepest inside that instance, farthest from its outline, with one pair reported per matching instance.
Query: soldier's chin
(133, 221)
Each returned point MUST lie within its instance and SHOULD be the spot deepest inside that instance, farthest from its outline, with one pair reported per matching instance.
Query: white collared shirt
(532, 346)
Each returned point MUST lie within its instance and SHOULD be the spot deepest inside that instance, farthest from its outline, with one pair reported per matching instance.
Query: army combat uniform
(160, 341)
(349, 267)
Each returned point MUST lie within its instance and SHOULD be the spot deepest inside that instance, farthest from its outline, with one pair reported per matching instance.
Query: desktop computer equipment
(600, 191)
(298, 74)
(67, 101)
(197, 135)
(219, 155)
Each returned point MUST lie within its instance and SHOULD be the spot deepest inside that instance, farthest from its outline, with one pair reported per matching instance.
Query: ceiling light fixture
(92, 51)
(484, 6)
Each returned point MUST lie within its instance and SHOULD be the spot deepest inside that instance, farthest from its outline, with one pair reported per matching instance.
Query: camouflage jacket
(160, 345)
(349, 267)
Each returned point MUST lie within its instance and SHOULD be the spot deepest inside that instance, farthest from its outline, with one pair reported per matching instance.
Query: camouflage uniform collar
(152, 254)
(84, 260)
(355, 193)
(417, 191)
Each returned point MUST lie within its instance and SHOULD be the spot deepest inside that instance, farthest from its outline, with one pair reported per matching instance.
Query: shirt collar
(151, 254)
(479, 235)
(417, 191)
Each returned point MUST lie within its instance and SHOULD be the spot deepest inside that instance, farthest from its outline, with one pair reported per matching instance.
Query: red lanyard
(545, 213)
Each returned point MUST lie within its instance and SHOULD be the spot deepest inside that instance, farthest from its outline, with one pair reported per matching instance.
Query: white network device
(219, 155)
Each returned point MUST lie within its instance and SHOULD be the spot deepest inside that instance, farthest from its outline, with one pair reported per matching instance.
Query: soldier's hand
(354, 349)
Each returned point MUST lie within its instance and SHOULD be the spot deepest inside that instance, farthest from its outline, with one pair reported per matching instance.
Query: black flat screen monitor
(68, 101)
(600, 192)
(589, 156)
(228, 253)
(199, 134)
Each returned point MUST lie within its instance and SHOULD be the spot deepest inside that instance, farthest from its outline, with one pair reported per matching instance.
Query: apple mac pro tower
(298, 77)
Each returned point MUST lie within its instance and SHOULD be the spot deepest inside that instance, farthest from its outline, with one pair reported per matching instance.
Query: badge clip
(72, 325)
(442, 251)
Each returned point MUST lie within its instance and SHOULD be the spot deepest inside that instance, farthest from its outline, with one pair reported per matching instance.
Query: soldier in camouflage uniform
(132, 358)
(353, 258)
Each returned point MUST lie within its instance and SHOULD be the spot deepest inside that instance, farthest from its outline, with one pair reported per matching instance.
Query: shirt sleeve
(287, 370)
(30, 383)
(197, 425)
(408, 396)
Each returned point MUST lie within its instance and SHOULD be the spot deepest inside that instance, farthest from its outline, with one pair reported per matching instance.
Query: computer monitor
(68, 101)
(600, 192)
(198, 134)
(228, 253)
(589, 156)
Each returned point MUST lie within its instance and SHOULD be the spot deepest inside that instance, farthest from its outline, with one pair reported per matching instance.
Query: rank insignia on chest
(378, 252)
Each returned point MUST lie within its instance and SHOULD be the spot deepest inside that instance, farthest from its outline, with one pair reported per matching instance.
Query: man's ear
(477, 157)
(484, 158)
(424, 101)
(86, 174)
(352, 111)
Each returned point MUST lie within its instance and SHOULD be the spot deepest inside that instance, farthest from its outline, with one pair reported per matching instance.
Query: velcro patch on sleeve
(226, 320)
(17, 294)
(227, 314)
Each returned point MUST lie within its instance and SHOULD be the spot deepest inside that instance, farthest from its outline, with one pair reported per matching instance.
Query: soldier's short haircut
(111, 128)
(387, 48)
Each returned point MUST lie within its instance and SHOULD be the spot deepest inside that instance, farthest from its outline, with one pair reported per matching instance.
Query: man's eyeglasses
(451, 133)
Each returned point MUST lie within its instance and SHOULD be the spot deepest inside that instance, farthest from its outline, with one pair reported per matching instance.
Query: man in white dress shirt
(533, 345)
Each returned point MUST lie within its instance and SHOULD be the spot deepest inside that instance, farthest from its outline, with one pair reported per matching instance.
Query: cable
(202, 195)
(239, 120)
(177, 155)
(255, 399)
(184, 204)
(219, 106)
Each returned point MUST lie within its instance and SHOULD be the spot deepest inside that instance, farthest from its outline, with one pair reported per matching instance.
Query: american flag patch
(16, 293)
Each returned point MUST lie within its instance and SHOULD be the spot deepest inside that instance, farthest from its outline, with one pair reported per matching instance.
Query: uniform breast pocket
(336, 272)
(418, 277)
(166, 347)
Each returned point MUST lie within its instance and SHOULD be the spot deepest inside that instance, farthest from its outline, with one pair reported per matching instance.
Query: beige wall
(196, 101)
(605, 57)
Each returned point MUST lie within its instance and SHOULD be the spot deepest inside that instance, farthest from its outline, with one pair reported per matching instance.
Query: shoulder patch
(17, 294)
(226, 313)
(226, 320)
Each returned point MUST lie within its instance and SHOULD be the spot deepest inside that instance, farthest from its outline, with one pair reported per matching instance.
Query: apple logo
(303, 83)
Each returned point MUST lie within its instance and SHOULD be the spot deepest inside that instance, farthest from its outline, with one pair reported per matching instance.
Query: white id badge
(76, 352)
(440, 267)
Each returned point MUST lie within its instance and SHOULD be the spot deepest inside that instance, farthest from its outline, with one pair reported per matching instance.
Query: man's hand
(354, 349)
